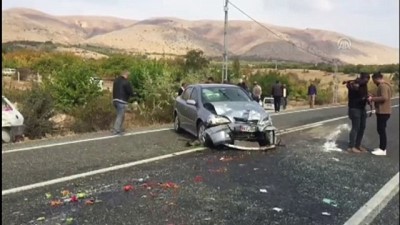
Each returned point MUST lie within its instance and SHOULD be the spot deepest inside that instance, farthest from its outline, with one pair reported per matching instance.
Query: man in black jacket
(277, 93)
(122, 91)
(357, 100)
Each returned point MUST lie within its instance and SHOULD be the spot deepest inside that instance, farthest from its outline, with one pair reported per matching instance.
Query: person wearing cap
(383, 110)
(357, 101)
(257, 91)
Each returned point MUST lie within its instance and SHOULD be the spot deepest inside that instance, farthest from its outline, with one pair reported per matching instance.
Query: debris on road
(74, 198)
(330, 202)
(65, 193)
(219, 170)
(128, 188)
(336, 159)
(169, 185)
(69, 220)
(42, 218)
(326, 214)
(56, 203)
(226, 159)
(81, 195)
(48, 195)
(263, 191)
(277, 209)
(90, 201)
(198, 179)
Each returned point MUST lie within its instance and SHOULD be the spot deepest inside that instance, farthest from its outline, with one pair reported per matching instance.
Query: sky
(370, 20)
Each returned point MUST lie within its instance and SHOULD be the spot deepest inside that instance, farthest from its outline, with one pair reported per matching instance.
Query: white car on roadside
(12, 125)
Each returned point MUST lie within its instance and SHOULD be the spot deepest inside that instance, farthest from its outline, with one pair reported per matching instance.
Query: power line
(279, 36)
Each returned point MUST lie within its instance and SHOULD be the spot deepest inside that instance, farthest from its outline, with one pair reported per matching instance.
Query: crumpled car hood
(243, 110)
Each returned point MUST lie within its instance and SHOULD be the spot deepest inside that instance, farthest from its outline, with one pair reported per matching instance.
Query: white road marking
(99, 171)
(367, 213)
(123, 166)
(305, 110)
(84, 140)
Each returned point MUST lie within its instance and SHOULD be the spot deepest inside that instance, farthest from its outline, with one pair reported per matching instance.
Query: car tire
(177, 124)
(6, 135)
(203, 138)
(263, 140)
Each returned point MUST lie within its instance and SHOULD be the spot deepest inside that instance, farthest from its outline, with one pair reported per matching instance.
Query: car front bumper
(226, 135)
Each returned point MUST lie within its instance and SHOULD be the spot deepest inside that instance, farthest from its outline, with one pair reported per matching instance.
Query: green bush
(37, 109)
(70, 86)
(97, 115)
(324, 96)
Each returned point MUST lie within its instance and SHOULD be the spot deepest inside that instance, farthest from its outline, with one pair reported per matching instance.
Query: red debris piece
(74, 198)
(198, 179)
(128, 188)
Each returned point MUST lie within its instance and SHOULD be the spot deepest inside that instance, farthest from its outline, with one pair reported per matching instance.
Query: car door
(182, 108)
(192, 111)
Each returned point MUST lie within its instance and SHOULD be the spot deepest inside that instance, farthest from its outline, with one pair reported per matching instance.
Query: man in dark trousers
(122, 91)
(312, 93)
(277, 93)
(357, 100)
(383, 110)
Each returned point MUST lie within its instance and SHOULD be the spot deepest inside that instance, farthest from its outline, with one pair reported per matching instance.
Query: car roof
(212, 85)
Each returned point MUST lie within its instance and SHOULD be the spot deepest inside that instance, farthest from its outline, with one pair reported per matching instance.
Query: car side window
(194, 95)
(186, 93)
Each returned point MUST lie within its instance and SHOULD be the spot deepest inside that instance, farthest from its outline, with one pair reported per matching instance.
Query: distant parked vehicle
(8, 71)
(268, 103)
(12, 125)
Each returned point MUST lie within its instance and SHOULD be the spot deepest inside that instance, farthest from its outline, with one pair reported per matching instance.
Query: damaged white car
(220, 114)
(12, 125)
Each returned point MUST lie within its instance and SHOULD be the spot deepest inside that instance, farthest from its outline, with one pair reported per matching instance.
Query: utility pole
(225, 63)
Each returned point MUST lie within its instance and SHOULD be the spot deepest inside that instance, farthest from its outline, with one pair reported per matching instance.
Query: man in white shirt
(284, 96)
(257, 91)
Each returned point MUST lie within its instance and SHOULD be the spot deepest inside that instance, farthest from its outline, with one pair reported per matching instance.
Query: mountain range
(174, 36)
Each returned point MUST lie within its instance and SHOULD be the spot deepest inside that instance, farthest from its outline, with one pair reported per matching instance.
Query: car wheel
(202, 135)
(177, 124)
(5, 135)
(263, 140)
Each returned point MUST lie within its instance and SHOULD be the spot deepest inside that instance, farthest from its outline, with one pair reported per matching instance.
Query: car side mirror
(191, 102)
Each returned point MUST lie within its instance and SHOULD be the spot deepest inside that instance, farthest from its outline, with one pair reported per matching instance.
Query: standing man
(383, 110)
(122, 91)
(357, 100)
(242, 84)
(257, 91)
(181, 89)
(312, 92)
(277, 93)
(284, 96)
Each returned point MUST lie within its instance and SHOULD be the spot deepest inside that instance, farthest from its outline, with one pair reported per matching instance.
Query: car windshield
(224, 94)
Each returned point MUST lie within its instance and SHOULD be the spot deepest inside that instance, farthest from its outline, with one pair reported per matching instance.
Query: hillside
(177, 36)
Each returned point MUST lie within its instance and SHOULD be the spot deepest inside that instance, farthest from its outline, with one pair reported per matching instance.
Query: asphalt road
(296, 178)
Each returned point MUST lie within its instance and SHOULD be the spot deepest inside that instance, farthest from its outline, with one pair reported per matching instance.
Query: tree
(195, 61)
(236, 67)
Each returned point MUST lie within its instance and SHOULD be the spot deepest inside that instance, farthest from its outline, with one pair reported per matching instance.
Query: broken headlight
(265, 121)
(217, 120)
